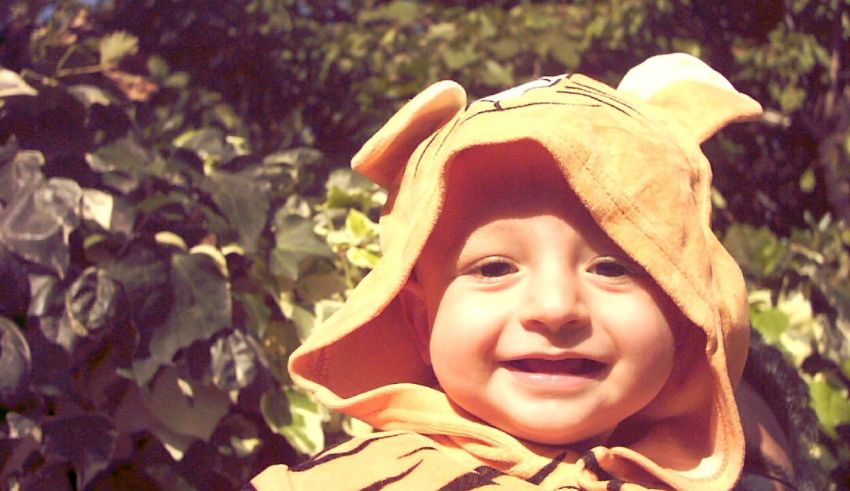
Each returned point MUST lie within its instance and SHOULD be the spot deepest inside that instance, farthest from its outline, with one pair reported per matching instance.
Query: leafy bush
(176, 216)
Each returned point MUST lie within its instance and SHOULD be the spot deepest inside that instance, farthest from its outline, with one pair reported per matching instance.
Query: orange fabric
(633, 158)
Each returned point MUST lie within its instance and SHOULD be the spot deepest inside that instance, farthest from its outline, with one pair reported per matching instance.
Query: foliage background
(176, 213)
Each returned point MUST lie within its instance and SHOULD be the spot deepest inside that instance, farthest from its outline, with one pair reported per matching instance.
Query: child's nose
(553, 302)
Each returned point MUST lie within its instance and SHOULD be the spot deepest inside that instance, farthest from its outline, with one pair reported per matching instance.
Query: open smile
(563, 375)
(569, 366)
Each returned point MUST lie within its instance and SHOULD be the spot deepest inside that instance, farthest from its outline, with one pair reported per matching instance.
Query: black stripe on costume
(608, 103)
(417, 450)
(481, 476)
(614, 485)
(329, 457)
(385, 482)
(605, 94)
(538, 477)
(590, 461)
(569, 487)
(511, 108)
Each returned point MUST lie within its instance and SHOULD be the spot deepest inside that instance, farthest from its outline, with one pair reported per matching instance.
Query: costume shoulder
(405, 460)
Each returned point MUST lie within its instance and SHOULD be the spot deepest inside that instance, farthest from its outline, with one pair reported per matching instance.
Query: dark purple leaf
(15, 362)
(87, 441)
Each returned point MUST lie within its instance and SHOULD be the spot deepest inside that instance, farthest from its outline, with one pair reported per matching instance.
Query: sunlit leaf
(117, 45)
(37, 225)
(296, 416)
(195, 416)
(11, 84)
(201, 308)
(94, 302)
(830, 403)
(89, 95)
(233, 362)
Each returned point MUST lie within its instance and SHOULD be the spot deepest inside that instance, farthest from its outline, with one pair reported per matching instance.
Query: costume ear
(699, 97)
(416, 316)
(386, 153)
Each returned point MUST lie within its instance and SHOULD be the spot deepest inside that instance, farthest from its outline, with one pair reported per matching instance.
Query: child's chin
(577, 441)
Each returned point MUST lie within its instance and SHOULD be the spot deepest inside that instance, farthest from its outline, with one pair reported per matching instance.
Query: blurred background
(176, 213)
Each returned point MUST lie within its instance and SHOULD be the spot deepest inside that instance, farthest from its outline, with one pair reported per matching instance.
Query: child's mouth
(569, 366)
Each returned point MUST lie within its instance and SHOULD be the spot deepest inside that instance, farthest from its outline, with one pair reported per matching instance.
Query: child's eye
(611, 268)
(495, 269)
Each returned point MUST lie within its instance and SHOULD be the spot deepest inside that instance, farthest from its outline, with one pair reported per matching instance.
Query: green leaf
(201, 308)
(295, 241)
(771, 323)
(296, 416)
(89, 95)
(245, 203)
(315, 287)
(497, 75)
(359, 226)
(195, 415)
(11, 84)
(124, 162)
(757, 250)
(117, 45)
(830, 404)
(206, 143)
(808, 181)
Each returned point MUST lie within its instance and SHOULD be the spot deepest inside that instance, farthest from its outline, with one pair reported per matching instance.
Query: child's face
(539, 324)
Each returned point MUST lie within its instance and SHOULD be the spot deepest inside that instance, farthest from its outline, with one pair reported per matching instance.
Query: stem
(83, 70)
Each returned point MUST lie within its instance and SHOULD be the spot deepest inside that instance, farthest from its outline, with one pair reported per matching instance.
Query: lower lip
(554, 382)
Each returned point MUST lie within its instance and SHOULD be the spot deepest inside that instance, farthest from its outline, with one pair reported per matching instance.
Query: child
(551, 309)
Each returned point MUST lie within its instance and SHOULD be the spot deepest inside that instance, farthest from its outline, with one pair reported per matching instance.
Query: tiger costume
(632, 156)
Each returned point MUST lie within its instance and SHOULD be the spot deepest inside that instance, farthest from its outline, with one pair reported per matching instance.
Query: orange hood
(633, 157)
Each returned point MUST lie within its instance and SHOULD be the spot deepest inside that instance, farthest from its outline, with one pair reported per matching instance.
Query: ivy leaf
(13, 277)
(115, 46)
(245, 203)
(144, 277)
(830, 404)
(11, 84)
(89, 95)
(23, 171)
(37, 224)
(296, 416)
(123, 163)
(15, 362)
(94, 302)
(201, 308)
(234, 362)
(195, 416)
(206, 143)
(295, 241)
(87, 441)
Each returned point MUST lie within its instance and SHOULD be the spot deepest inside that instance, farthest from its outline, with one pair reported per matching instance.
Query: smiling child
(552, 309)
